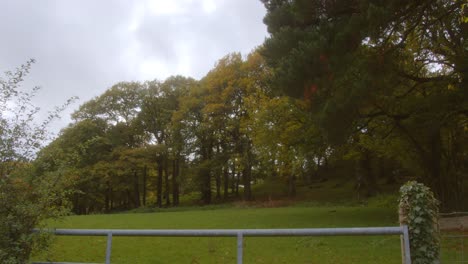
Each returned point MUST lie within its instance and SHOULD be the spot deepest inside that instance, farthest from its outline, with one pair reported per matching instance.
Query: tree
(280, 132)
(25, 201)
(198, 138)
(114, 115)
(155, 118)
(118, 104)
(222, 113)
(74, 154)
(210, 120)
(388, 72)
(118, 107)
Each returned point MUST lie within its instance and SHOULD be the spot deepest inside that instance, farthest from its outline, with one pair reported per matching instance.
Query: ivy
(419, 209)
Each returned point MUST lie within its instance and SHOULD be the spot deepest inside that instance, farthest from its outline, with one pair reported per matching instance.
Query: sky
(83, 47)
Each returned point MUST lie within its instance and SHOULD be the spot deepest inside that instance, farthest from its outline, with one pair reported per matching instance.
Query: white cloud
(84, 47)
(209, 6)
(184, 65)
(150, 68)
(167, 7)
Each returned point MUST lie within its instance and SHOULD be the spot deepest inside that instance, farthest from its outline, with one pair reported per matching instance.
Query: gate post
(406, 246)
(239, 247)
(109, 247)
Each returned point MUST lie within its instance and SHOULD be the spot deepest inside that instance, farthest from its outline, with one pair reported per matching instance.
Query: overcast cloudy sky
(83, 47)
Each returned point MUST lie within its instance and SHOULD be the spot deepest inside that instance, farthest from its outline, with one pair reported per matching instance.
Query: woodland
(374, 92)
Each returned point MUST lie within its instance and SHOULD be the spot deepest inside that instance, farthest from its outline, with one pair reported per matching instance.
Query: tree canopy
(390, 75)
(366, 91)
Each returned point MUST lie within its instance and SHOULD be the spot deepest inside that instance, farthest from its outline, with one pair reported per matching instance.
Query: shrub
(24, 206)
(25, 202)
(419, 209)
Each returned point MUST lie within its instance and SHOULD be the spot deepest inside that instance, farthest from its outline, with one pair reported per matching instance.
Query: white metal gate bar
(240, 234)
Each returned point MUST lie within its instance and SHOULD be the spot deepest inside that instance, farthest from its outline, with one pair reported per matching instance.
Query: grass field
(379, 249)
(334, 205)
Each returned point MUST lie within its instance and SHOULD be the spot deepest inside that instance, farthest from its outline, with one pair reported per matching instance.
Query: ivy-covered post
(419, 210)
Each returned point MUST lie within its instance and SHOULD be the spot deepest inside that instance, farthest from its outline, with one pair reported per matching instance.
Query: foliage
(25, 201)
(20, 134)
(24, 206)
(382, 77)
(282, 135)
(419, 209)
(120, 103)
(219, 137)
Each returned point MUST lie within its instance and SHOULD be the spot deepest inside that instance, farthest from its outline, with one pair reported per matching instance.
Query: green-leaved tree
(25, 201)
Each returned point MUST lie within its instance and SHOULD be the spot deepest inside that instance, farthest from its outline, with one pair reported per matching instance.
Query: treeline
(373, 92)
(141, 144)
(145, 143)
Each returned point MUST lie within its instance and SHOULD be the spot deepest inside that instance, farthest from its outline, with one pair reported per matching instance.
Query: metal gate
(240, 234)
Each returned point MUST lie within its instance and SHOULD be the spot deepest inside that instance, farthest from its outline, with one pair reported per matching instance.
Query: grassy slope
(335, 190)
(316, 206)
(222, 250)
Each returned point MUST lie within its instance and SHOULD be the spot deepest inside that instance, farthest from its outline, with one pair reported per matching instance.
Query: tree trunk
(205, 172)
(247, 172)
(437, 182)
(111, 198)
(128, 198)
(237, 184)
(136, 189)
(318, 169)
(386, 172)
(175, 181)
(159, 184)
(166, 182)
(292, 185)
(226, 182)
(369, 179)
(145, 170)
(233, 179)
(107, 198)
(325, 164)
(205, 185)
(218, 183)
(246, 177)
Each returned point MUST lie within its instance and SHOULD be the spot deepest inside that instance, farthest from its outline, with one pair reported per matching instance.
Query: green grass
(379, 249)
(454, 246)
(326, 204)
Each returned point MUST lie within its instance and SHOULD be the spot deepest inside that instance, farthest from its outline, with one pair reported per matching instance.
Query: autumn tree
(212, 119)
(225, 108)
(155, 119)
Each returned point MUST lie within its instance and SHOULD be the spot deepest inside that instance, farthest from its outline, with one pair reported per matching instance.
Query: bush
(24, 202)
(419, 209)
(23, 207)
